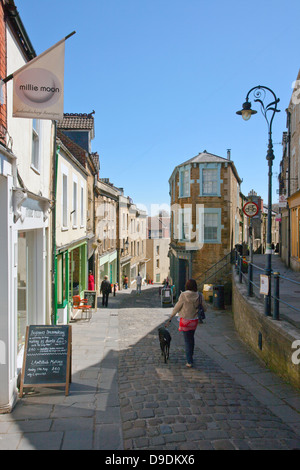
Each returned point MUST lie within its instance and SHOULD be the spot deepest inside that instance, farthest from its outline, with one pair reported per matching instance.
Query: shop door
(183, 267)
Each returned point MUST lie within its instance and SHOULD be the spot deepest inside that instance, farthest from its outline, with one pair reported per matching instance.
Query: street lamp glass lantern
(246, 112)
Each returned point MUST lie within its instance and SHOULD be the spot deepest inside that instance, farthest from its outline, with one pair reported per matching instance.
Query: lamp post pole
(260, 93)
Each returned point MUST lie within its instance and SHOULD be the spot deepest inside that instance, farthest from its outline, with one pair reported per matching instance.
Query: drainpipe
(54, 259)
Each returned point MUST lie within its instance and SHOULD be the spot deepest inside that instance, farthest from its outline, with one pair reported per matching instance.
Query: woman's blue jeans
(189, 343)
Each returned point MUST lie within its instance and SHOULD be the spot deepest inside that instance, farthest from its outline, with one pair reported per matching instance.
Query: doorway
(183, 274)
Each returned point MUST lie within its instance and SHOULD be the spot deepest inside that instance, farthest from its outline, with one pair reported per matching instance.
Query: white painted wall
(65, 235)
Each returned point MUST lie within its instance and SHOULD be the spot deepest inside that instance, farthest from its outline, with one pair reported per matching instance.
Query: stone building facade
(205, 215)
(289, 183)
(157, 243)
(131, 240)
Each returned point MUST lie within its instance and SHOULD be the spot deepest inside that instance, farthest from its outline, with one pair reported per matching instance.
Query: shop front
(71, 279)
(24, 280)
(108, 267)
(294, 205)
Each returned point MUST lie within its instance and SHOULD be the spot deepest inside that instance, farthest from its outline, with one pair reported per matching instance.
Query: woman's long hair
(191, 285)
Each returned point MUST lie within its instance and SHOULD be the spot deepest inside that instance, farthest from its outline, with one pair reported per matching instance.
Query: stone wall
(271, 340)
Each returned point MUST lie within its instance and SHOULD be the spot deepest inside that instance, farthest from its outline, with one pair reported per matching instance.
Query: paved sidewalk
(123, 397)
(289, 287)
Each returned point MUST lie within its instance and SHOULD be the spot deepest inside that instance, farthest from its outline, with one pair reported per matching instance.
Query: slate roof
(206, 157)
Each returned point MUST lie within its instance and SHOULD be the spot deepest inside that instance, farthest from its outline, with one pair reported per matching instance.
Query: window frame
(184, 191)
(36, 146)
(218, 181)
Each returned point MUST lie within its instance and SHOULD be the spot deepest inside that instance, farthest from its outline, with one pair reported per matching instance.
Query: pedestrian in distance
(91, 281)
(139, 284)
(126, 282)
(105, 289)
(187, 308)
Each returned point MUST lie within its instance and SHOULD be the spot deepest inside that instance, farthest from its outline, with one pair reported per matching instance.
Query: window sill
(64, 229)
(35, 169)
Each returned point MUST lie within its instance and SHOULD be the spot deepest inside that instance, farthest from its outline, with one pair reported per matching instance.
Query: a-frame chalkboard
(91, 296)
(47, 357)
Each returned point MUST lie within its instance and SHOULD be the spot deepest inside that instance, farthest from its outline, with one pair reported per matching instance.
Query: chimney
(228, 154)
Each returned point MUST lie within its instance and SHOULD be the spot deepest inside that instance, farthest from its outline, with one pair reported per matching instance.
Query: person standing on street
(139, 284)
(91, 281)
(187, 308)
(105, 289)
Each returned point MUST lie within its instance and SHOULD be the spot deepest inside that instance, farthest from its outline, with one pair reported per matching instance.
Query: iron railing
(248, 273)
(217, 269)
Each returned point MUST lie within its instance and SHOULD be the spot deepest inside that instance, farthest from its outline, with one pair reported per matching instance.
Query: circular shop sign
(250, 209)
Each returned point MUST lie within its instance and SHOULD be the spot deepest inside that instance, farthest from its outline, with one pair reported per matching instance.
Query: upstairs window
(81, 207)
(65, 201)
(74, 204)
(210, 181)
(185, 224)
(184, 182)
(35, 150)
(211, 227)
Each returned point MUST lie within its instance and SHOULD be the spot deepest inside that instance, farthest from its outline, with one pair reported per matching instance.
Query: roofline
(18, 28)
(187, 162)
(71, 156)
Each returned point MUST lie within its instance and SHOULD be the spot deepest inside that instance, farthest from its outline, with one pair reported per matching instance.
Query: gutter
(19, 30)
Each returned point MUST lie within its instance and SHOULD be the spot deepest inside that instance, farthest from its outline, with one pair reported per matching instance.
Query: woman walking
(187, 308)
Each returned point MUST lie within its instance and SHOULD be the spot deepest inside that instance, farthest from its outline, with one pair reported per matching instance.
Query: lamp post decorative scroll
(260, 94)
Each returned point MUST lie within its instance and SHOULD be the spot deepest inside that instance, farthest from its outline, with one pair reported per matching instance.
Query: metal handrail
(289, 279)
(207, 277)
(276, 277)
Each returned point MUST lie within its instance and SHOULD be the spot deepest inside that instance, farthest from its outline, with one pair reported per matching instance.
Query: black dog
(165, 342)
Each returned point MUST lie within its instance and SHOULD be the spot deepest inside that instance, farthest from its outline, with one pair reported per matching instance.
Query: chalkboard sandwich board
(47, 357)
(91, 296)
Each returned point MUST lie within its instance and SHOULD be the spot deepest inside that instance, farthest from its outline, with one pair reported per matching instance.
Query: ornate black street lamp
(260, 93)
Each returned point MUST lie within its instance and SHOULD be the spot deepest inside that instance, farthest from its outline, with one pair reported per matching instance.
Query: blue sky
(166, 77)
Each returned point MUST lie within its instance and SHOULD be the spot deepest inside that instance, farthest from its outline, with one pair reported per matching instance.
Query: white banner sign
(39, 86)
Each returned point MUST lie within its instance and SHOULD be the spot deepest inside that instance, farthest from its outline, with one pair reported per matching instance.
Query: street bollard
(276, 296)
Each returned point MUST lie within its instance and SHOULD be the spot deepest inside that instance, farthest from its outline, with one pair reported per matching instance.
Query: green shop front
(71, 279)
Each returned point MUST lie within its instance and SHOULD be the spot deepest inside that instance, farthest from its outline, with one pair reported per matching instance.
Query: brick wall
(3, 115)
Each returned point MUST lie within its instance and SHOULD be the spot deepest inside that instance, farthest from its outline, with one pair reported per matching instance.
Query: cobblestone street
(124, 397)
(173, 407)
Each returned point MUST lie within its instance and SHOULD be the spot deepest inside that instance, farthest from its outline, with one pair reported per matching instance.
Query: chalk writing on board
(47, 356)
